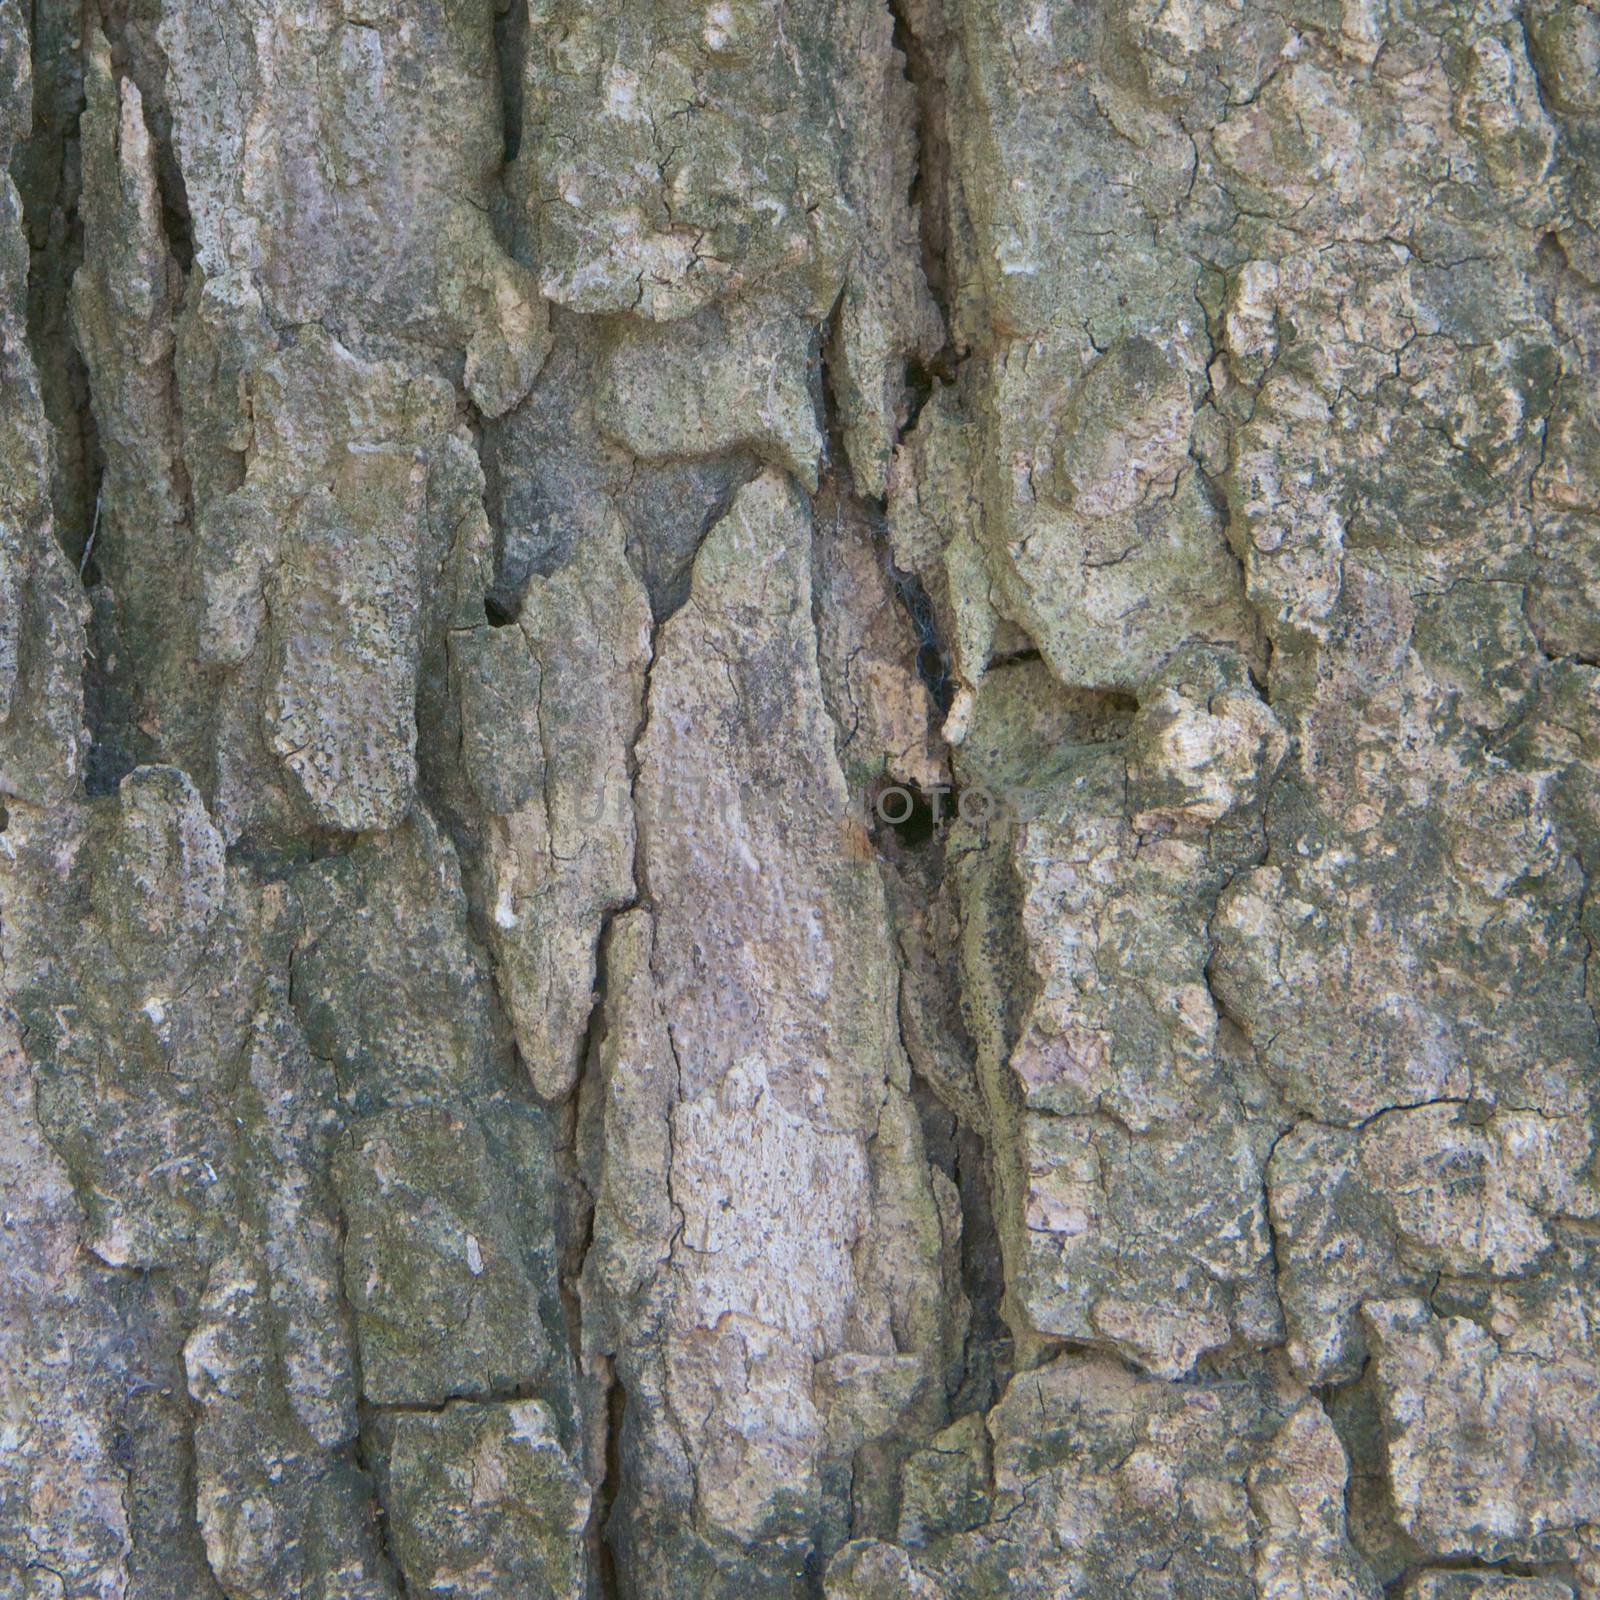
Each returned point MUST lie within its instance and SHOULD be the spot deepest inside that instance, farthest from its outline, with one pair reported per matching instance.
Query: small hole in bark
(917, 829)
(907, 812)
(499, 613)
(919, 387)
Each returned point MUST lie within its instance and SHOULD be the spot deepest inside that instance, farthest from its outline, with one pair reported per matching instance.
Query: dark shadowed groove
(45, 168)
(510, 44)
(136, 54)
(930, 196)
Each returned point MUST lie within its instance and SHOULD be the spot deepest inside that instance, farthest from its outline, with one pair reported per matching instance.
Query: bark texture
(797, 799)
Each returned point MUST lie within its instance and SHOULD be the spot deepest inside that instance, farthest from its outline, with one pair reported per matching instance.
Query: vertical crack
(914, 878)
(135, 54)
(930, 194)
(47, 172)
(838, 490)
(510, 44)
(610, 1487)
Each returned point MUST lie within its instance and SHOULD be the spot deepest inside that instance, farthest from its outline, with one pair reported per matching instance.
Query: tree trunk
(798, 799)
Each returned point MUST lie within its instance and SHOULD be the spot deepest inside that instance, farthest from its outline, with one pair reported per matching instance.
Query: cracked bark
(798, 799)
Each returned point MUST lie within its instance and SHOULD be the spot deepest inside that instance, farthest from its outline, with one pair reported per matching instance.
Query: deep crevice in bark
(616, 1402)
(510, 40)
(45, 168)
(129, 26)
(930, 188)
(913, 851)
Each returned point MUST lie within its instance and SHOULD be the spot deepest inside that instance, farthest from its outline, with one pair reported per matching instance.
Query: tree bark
(797, 799)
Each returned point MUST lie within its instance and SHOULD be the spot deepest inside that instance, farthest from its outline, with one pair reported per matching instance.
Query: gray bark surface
(797, 798)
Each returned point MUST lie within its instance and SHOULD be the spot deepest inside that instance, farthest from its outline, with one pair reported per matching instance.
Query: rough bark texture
(798, 799)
